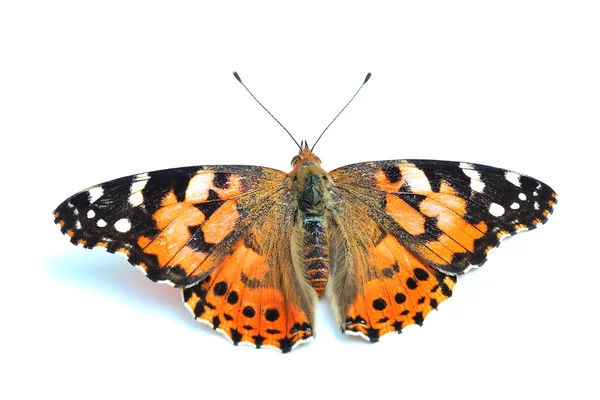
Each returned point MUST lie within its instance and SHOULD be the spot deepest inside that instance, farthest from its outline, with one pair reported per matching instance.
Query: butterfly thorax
(310, 185)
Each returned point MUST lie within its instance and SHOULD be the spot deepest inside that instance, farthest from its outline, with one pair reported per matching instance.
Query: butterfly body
(254, 248)
(310, 186)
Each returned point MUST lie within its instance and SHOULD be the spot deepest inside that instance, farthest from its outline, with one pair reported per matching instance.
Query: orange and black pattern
(255, 248)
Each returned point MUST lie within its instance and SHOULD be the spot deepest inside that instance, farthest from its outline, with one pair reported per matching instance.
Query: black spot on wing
(419, 318)
(220, 288)
(249, 312)
(449, 172)
(304, 327)
(173, 274)
(272, 314)
(258, 340)
(373, 334)
(162, 182)
(286, 344)
(221, 180)
(212, 195)
(414, 200)
(379, 304)
(235, 335)
(392, 173)
(209, 207)
(187, 295)
(233, 297)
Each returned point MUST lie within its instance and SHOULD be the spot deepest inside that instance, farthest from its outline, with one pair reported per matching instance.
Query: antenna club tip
(367, 78)
(237, 76)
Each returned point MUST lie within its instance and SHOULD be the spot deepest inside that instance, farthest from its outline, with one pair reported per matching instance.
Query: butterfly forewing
(450, 214)
(169, 223)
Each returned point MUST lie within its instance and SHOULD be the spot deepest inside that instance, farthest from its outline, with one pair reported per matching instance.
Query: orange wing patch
(221, 222)
(400, 291)
(407, 217)
(241, 299)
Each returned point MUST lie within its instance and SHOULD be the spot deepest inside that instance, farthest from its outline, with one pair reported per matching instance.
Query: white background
(90, 91)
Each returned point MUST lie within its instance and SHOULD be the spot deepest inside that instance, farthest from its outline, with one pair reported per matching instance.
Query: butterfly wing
(221, 231)
(175, 224)
(256, 296)
(420, 223)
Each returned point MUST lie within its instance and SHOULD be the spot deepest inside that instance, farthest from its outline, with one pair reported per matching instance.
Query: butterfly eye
(295, 160)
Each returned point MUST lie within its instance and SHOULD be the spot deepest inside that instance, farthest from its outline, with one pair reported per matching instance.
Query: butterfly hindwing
(400, 291)
(173, 224)
(377, 285)
(410, 226)
(257, 295)
(244, 299)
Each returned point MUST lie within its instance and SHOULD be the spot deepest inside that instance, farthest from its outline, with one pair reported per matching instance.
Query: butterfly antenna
(237, 76)
(342, 110)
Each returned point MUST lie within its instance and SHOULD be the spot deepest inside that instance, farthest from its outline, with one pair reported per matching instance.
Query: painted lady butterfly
(255, 248)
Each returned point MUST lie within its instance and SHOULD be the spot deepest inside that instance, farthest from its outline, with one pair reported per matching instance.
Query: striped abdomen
(316, 252)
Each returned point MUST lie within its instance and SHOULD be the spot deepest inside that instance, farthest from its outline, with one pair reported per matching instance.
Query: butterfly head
(305, 155)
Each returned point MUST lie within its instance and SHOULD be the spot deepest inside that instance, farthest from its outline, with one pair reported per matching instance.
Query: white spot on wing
(470, 267)
(101, 223)
(476, 184)
(136, 199)
(77, 224)
(536, 205)
(123, 225)
(198, 186)
(522, 196)
(91, 214)
(515, 206)
(142, 177)
(513, 178)
(137, 186)
(496, 210)
(95, 193)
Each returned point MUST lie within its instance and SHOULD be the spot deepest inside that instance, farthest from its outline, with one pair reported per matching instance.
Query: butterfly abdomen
(316, 252)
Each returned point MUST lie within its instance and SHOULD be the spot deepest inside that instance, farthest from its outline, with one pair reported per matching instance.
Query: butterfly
(254, 248)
